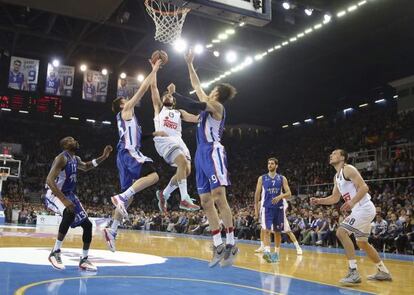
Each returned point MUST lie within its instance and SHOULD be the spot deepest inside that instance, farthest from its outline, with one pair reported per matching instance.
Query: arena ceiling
(346, 60)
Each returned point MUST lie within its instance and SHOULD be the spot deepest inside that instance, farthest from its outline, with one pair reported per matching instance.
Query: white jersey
(169, 121)
(348, 190)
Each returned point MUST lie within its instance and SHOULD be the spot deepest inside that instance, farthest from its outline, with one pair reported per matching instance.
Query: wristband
(94, 163)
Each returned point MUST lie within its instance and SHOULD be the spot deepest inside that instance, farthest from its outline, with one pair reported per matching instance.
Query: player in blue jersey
(61, 198)
(89, 88)
(17, 79)
(54, 84)
(136, 171)
(123, 89)
(273, 188)
(211, 163)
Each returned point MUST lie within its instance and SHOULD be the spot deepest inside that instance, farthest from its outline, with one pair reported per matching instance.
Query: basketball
(159, 54)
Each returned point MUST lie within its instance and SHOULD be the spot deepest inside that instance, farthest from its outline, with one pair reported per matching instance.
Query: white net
(168, 19)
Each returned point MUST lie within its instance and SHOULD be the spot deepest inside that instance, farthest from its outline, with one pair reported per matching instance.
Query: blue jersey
(124, 92)
(89, 91)
(16, 80)
(52, 85)
(210, 130)
(130, 133)
(66, 180)
(271, 188)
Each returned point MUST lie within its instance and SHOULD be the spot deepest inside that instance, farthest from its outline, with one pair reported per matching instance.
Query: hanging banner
(95, 86)
(23, 73)
(127, 87)
(59, 80)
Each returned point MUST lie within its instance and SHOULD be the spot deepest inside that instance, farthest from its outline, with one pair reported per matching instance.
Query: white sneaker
(299, 251)
(109, 236)
(86, 265)
(259, 250)
(119, 203)
(56, 260)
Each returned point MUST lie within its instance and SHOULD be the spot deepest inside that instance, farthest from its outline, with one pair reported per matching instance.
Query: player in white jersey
(349, 184)
(172, 147)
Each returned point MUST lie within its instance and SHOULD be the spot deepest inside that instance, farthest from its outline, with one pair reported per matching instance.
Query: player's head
(272, 164)
(118, 104)
(52, 74)
(16, 65)
(168, 100)
(68, 143)
(338, 156)
(89, 77)
(123, 82)
(223, 92)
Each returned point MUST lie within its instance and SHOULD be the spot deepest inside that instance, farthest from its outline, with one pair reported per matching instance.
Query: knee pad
(67, 218)
(87, 231)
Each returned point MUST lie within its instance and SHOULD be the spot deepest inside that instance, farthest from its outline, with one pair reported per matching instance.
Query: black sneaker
(86, 265)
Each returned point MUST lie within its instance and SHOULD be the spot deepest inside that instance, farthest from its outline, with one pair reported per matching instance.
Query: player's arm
(332, 199)
(257, 197)
(287, 193)
(351, 173)
(58, 164)
(86, 166)
(136, 98)
(155, 95)
(213, 107)
(195, 81)
(187, 117)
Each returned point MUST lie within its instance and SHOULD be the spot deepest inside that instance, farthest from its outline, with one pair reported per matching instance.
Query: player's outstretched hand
(171, 88)
(189, 57)
(314, 201)
(107, 151)
(156, 66)
(347, 206)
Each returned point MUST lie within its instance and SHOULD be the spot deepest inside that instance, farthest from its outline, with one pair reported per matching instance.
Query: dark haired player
(17, 79)
(136, 171)
(349, 184)
(172, 148)
(61, 198)
(211, 163)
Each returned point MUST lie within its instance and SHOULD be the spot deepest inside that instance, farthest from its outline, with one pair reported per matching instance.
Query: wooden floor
(317, 267)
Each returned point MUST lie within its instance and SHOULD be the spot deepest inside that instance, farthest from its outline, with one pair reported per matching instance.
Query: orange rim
(179, 10)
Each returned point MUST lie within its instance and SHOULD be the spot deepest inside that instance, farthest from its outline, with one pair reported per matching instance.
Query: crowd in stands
(303, 156)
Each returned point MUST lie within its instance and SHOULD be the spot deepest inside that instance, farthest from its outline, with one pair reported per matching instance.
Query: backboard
(8, 163)
(253, 12)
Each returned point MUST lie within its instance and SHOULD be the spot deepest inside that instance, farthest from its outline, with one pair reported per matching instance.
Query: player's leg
(353, 276)
(292, 237)
(111, 232)
(267, 218)
(84, 263)
(68, 217)
(133, 169)
(182, 172)
(261, 248)
(383, 273)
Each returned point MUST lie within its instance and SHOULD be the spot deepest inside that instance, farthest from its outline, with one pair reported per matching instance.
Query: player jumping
(349, 183)
(61, 198)
(136, 171)
(172, 147)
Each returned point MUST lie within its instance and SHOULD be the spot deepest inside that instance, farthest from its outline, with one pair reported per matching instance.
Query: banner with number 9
(23, 73)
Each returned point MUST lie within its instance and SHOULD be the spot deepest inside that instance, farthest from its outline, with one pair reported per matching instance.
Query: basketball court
(160, 263)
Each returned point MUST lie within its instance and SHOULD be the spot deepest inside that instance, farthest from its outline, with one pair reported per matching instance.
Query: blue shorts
(132, 166)
(55, 204)
(211, 167)
(273, 218)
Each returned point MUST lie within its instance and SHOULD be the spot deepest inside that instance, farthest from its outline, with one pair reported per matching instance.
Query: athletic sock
(296, 245)
(85, 253)
(128, 193)
(114, 226)
(352, 264)
(57, 246)
(169, 189)
(216, 237)
(381, 266)
(230, 236)
(267, 249)
(182, 185)
(277, 250)
(261, 244)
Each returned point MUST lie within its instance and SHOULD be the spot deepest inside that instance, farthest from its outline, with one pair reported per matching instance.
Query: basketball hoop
(168, 19)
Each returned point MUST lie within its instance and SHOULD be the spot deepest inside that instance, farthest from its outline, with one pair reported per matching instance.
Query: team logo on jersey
(171, 114)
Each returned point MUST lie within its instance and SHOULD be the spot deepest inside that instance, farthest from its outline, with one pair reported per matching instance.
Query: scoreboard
(42, 104)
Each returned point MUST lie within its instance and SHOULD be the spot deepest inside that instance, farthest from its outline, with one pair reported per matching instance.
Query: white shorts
(169, 147)
(53, 203)
(359, 221)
